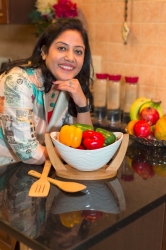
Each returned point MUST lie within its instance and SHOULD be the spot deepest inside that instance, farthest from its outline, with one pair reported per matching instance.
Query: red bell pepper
(91, 215)
(81, 147)
(92, 139)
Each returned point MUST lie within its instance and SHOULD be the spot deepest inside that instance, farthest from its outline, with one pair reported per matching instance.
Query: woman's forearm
(84, 118)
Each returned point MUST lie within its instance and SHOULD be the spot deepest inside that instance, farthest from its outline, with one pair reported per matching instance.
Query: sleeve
(18, 118)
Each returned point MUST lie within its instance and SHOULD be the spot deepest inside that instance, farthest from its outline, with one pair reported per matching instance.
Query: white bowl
(97, 197)
(86, 160)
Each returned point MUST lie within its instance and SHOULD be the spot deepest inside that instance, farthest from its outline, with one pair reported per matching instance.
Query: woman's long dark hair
(46, 39)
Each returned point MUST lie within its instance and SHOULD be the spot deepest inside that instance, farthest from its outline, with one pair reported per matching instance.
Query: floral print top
(23, 115)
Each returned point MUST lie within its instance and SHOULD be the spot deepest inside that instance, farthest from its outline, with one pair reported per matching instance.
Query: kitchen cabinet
(16, 11)
(4, 11)
(137, 237)
(9, 243)
(24, 247)
(6, 242)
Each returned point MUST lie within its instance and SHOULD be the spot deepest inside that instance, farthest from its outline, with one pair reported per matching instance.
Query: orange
(129, 128)
(160, 128)
(160, 169)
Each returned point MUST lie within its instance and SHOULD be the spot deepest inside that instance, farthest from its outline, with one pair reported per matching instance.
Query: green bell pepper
(109, 136)
(83, 127)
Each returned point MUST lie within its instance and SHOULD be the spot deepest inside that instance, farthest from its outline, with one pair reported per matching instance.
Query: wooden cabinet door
(6, 242)
(24, 247)
(4, 11)
(16, 11)
(20, 10)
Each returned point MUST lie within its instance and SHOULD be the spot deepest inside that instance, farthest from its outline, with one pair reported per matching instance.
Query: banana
(135, 107)
(155, 104)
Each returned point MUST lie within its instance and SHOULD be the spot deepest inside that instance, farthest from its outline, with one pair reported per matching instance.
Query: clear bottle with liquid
(99, 96)
(114, 99)
(131, 93)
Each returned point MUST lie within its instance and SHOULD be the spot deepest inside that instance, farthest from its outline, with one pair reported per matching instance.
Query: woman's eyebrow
(77, 46)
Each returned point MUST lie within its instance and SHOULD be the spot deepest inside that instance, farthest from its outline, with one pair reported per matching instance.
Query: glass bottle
(99, 96)
(114, 99)
(131, 93)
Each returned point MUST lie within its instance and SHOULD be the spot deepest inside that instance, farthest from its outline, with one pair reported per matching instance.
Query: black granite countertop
(81, 220)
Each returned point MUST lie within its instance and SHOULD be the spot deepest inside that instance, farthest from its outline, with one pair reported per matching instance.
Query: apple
(143, 168)
(150, 115)
(151, 136)
(142, 129)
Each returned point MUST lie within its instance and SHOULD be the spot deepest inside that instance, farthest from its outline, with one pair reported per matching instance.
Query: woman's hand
(74, 88)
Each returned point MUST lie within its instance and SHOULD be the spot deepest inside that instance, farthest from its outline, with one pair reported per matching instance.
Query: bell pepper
(83, 127)
(70, 136)
(92, 139)
(71, 218)
(109, 136)
(81, 147)
(91, 215)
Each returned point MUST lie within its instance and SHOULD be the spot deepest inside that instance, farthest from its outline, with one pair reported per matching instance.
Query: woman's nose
(69, 56)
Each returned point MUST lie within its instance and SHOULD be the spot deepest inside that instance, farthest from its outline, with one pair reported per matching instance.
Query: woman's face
(66, 55)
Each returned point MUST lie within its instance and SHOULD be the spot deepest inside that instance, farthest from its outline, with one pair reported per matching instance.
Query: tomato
(142, 128)
(150, 115)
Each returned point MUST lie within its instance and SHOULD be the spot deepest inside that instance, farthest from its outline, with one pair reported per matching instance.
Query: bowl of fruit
(141, 161)
(84, 148)
(148, 124)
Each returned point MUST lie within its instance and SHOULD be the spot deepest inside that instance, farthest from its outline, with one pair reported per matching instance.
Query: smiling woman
(65, 59)
(60, 63)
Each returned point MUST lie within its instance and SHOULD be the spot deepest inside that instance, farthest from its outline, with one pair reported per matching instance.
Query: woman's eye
(61, 48)
(79, 52)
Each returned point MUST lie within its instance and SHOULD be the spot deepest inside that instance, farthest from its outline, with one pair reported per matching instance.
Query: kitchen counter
(126, 212)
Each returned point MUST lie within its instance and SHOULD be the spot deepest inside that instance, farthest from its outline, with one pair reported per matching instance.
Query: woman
(29, 91)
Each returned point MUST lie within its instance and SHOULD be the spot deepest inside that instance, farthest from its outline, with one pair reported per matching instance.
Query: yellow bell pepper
(70, 136)
(71, 218)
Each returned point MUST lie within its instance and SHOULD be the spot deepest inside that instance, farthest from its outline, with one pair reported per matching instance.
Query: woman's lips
(66, 67)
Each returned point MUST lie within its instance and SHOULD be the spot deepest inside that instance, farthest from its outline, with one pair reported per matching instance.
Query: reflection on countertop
(78, 221)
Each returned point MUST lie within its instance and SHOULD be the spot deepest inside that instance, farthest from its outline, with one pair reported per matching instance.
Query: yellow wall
(143, 56)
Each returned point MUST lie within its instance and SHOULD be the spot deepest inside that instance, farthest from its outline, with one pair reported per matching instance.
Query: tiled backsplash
(17, 41)
(145, 53)
(143, 56)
